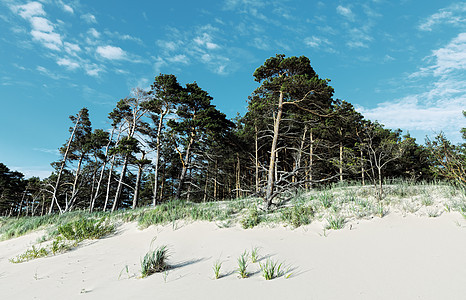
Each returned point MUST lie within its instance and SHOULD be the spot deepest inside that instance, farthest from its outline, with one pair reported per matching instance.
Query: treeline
(171, 142)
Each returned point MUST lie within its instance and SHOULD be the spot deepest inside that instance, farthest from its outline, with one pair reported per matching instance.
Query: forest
(171, 142)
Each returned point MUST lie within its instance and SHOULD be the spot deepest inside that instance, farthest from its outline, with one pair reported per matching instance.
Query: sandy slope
(391, 258)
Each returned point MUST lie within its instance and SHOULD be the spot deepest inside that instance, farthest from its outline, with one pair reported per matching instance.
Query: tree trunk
(273, 153)
(311, 157)
(256, 158)
(136, 187)
(74, 193)
(185, 166)
(341, 162)
(157, 158)
(65, 156)
(362, 168)
(120, 184)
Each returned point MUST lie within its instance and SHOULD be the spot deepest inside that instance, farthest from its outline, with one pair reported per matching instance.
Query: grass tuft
(335, 223)
(271, 269)
(243, 264)
(154, 261)
(216, 268)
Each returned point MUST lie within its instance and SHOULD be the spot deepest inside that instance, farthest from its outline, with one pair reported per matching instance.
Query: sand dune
(394, 257)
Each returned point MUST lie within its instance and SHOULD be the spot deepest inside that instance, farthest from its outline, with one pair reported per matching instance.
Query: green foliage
(271, 269)
(216, 268)
(243, 264)
(252, 218)
(325, 199)
(30, 254)
(335, 222)
(254, 254)
(154, 261)
(86, 229)
(297, 215)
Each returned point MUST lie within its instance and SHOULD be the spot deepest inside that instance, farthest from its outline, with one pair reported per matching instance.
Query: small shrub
(243, 264)
(154, 261)
(251, 219)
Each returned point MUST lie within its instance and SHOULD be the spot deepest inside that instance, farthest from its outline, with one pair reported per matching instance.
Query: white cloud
(452, 57)
(72, 48)
(180, 58)
(51, 40)
(68, 63)
(89, 18)
(440, 106)
(93, 32)
(316, 42)
(49, 73)
(68, 9)
(452, 15)
(111, 52)
(41, 24)
(93, 70)
(345, 12)
(29, 10)
(42, 28)
(206, 40)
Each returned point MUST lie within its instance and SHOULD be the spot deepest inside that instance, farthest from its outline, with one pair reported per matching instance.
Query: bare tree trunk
(257, 158)
(136, 187)
(341, 162)
(273, 153)
(102, 172)
(65, 156)
(74, 193)
(120, 184)
(185, 166)
(311, 157)
(362, 168)
(215, 181)
(157, 157)
(109, 183)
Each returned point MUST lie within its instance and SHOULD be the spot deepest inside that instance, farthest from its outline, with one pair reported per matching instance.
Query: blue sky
(400, 62)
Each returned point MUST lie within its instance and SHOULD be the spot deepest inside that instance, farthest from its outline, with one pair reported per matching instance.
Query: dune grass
(154, 261)
(333, 205)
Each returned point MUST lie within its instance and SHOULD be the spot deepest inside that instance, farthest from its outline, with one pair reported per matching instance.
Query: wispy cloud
(49, 73)
(319, 43)
(454, 14)
(68, 63)
(111, 52)
(42, 29)
(89, 18)
(439, 107)
(345, 12)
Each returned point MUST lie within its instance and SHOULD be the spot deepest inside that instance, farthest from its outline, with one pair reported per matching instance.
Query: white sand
(394, 257)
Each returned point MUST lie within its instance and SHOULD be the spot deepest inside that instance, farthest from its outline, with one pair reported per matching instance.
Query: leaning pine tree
(289, 86)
